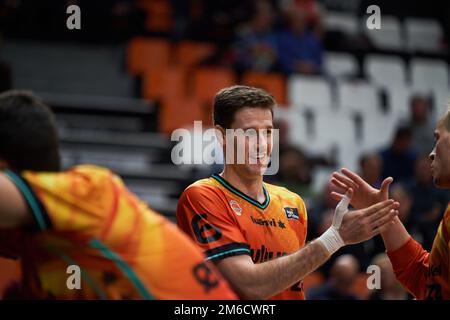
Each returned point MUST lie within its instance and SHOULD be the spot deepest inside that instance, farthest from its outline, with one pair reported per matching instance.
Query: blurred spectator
(342, 278)
(399, 157)
(255, 46)
(390, 289)
(427, 201)
(311, 8)
(295, 172)
(371, 168)
(215, 20)
(299, 49)
(422, 126)
(400, 194)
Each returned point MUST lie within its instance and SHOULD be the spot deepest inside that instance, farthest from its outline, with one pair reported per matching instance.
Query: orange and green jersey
(426, 275)
(225, 222)
(86, 217)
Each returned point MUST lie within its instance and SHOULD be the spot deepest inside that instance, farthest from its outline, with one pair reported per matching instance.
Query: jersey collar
(242, 195)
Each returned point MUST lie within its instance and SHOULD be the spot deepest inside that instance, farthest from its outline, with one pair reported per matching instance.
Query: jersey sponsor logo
(269, 223)
(291, 213)
(263, 255)
(235, 207)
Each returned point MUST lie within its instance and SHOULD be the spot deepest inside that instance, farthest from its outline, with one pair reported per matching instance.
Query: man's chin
(257, 169)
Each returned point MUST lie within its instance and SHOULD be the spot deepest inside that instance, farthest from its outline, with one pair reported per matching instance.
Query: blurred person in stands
(253, 230)
(399, 157)
(343, 274)
(371, 167)
(421, 124)
(390, 288)
(427, 201)
(295, 172)
(311, 8)
(255, 46)
(299, 49)
(85, 217)
(425, 274)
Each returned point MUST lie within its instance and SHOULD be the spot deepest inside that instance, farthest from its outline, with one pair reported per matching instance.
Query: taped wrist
(331, 240)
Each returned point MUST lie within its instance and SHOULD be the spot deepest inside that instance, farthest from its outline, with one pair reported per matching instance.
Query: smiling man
(253, 231)
(425, 274)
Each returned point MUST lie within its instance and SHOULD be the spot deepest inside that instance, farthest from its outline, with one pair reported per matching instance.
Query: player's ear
(220, 134)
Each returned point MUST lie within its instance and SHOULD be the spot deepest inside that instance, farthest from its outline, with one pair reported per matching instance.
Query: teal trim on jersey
(29, 198)
(122, 265)
(243, 195)
(228, 252)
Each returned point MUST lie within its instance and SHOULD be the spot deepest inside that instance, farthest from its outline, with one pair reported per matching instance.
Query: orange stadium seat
(208, 80)
(189, 53)
(9, 273)
(272, 82)
(164, 82)
(179, 112)
(144, 54)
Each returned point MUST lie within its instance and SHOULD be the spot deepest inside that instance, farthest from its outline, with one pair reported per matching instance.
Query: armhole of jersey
(35, 206)
(227, 250)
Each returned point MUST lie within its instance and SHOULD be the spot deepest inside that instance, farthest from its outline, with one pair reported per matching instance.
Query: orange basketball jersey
(88, 220)
(225, 222)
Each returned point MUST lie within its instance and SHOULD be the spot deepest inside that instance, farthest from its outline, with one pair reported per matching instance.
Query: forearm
(396, 236)
(264, 280)
(411, 267)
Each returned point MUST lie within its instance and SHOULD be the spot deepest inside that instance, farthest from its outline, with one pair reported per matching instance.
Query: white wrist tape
(331, 240)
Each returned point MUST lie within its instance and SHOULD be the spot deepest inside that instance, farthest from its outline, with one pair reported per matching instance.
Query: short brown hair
(230, 100)
(29, 137)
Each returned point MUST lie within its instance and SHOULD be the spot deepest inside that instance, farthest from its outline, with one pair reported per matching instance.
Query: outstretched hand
(364, 195)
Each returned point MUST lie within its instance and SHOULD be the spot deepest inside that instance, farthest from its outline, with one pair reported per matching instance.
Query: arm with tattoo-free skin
(348, 227)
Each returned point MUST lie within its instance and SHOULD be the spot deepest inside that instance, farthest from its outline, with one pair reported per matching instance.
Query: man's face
(440, 156)
(252, 141)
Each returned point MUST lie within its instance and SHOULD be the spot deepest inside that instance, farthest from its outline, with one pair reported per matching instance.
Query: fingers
(339, 184)
(377, 207)
(385, 186)
(373, 218)
(343, 180)
(382, 228)
(353, 176)
(343, 204)
(336, 195)
(385, 216)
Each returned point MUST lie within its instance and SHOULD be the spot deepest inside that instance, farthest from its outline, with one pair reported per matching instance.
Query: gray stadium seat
(385, 71)
(423, 35)
(339, 64)
(389, 36)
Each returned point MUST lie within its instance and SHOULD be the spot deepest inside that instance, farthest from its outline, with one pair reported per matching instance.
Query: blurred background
(348, 96)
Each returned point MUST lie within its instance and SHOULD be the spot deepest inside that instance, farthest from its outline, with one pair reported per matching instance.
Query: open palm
(364, 195)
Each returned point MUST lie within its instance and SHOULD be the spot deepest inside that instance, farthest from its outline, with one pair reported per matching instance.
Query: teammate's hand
(356, 226)
(361, 225)
(364, 195)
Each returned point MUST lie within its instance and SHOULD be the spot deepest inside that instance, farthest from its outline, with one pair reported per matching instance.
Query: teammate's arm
(14, 212)
(261, 281)
(408, 258)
